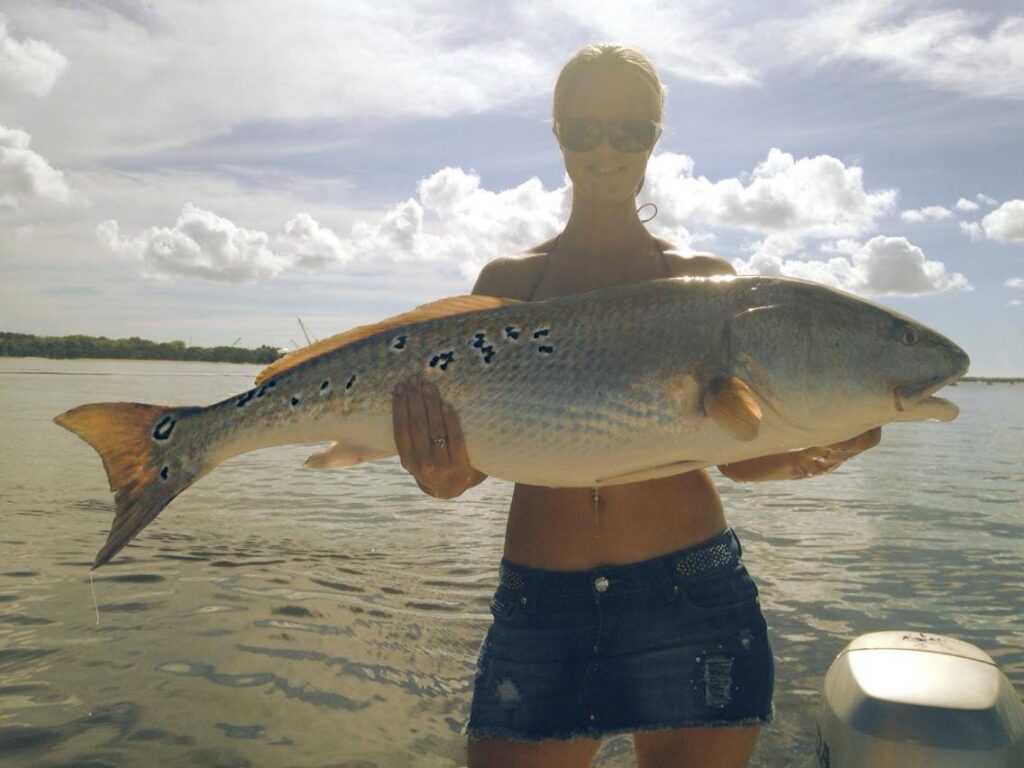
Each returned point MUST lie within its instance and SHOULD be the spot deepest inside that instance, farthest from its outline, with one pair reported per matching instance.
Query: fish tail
(141, 449)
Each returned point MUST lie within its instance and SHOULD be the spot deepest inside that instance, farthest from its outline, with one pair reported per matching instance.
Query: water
(278, 616)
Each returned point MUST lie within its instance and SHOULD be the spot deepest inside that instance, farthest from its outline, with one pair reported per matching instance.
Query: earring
(647, 205)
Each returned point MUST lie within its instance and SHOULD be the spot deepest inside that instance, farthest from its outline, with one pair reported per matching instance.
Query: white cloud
(810, 197)
(685, 39)
(882, 265)
(309, 245)
(955, 50)
(452, 221)
(972, 229)
(1015, 282)
(983, 198)
(928, 213)
(29, 66)
(963, 204)
(201, 245)
(26, 175)
(1015, 303)
(157, 75)
(1006, 223)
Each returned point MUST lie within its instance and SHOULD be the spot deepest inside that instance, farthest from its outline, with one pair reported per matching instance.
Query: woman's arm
(796, 465)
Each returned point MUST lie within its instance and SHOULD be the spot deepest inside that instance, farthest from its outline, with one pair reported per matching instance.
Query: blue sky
(212, 170)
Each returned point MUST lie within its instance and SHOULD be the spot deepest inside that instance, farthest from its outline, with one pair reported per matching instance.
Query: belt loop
(530, 594)
(665, 566)
(739, 545)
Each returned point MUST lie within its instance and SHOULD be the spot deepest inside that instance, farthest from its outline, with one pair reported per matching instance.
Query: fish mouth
(918, 395)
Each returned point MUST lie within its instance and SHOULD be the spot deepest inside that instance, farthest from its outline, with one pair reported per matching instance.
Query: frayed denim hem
(510, 734)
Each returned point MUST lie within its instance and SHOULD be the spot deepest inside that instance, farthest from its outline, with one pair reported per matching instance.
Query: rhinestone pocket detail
(705, 560)
(511, 579)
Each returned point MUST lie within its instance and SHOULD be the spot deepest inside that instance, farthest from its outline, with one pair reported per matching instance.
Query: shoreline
(988, 380)
(82, 347)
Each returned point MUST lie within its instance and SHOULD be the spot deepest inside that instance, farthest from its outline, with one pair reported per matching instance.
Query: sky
(212, 171)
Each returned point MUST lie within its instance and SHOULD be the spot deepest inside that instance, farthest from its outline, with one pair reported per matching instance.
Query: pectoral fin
(344, 455)
(732, 405)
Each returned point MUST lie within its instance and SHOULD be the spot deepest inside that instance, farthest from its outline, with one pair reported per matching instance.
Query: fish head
(820, 356)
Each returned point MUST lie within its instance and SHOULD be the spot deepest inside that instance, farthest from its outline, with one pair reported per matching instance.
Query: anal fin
(344, 455)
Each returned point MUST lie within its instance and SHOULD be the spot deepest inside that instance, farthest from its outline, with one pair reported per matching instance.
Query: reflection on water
(279, 616)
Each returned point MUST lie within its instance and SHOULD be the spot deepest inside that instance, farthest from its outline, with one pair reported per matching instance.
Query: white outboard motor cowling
(914, 700)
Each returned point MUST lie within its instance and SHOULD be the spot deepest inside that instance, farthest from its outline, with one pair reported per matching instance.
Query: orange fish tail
(140, 448)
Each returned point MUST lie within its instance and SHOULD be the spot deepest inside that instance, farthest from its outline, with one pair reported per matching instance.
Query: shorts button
(601, 584)
(593, 717)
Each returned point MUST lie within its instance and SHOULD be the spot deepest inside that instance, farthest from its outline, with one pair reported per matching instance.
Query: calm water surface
(278, 616)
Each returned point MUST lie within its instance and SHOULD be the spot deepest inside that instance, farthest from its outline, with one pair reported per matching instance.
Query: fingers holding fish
(811, 462)
(437, 430)
(430, 441)
(400, 423)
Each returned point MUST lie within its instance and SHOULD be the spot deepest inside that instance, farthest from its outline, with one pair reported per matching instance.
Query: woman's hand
(796, 465)
(430, 441)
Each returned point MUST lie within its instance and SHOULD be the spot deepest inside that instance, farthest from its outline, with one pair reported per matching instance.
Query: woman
(627, 609)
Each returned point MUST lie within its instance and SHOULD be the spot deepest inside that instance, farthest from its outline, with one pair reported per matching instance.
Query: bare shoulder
(694, 264)
(512, 277)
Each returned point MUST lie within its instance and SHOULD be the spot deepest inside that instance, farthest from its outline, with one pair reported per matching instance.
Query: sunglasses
(578, 134)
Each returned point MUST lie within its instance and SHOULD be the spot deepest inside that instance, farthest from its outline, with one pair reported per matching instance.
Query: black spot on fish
(165, 471)
(350, 382)
(442, 360)
(245, 398)
(295, 401)
(542, 332)
(324, 385)
(486, 350)
(511, 333)
(261, 391)
(399, 342)
(545, 349)
(164, 428)
(272, 383)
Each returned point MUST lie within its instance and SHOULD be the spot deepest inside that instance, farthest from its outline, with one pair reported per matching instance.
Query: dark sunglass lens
(579, 135)
(634, 135)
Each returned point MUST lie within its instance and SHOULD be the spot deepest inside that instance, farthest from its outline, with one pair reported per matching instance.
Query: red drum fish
(612, 386)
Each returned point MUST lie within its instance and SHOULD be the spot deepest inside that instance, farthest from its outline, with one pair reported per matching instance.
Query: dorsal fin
(454, 305)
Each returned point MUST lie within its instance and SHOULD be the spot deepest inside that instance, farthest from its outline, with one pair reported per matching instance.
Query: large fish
(612, 386)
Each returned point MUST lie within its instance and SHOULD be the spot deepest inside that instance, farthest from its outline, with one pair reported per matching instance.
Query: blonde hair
(595, 58)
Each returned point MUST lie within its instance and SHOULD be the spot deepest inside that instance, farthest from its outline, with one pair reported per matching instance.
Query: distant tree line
(28, 345)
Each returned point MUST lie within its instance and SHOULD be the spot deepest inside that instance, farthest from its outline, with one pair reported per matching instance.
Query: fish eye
(908, 336)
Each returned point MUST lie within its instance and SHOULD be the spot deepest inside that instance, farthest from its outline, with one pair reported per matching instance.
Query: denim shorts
(671, 642)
